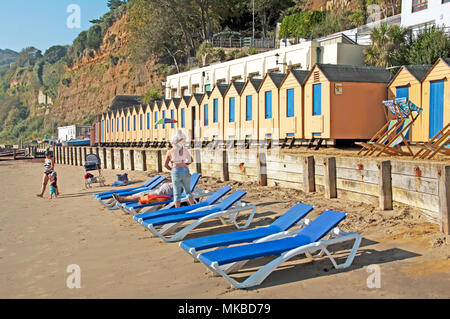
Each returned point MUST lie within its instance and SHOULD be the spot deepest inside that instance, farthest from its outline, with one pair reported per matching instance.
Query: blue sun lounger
(208, 203)
(229, 207)
(109, 202)
(307, 241)
(135, 207)
(108, 194)
(294, 216)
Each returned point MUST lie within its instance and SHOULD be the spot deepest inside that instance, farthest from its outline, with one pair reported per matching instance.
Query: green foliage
(252, 51)
(300, 24)
(151, 96)
(427, 46)
(55, 54)
(388, 46)
(235, 54)
(94, 37)
(7, 57)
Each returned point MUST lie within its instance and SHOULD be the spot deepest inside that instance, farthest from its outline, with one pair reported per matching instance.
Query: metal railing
(244, 42)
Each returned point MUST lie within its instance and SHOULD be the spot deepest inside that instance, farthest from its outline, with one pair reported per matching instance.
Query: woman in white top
(179, 157)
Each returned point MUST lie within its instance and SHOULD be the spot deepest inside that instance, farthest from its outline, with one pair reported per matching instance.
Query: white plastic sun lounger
(227, 211)
(111, 204)
(295, 216)
(308, 241)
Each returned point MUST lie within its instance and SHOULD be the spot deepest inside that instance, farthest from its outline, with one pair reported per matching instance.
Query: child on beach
(53, 185)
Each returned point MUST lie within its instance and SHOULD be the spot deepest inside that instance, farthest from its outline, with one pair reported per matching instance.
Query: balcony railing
(244, 42)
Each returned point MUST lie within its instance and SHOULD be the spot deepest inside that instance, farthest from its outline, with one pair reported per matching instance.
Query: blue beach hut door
(436, 107)
(317, 103)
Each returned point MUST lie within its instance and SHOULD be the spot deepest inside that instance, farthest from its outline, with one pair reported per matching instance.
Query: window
(232, 110)
(445, 1)
(172, 116)
(216, 111)
(248, 108)
(418, 5)
(205, 121)
(268, 104)
(164, 118)
(290, 103)
(182, 118)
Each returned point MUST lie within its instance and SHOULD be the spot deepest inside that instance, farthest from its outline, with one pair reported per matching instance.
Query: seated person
(165, 189)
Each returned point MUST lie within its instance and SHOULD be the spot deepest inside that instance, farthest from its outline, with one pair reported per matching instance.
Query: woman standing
(49, 166)
(180, 157)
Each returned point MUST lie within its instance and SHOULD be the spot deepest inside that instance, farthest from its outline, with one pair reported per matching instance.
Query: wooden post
(104, 158)
(80, 155)
(198, 161)
(385, 185)
(444, 199)
(144, 160)
(261, 164)
(122, 166)
(309, 180)
(64, 152)
(75, 155)
(330, 177)
(159, 165)
(112, 158)
(71, 156)
(225, 172)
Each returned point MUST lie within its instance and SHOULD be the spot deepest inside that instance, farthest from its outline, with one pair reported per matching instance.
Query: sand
(40, 238)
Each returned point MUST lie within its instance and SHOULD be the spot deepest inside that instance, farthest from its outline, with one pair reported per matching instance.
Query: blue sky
(43, 23)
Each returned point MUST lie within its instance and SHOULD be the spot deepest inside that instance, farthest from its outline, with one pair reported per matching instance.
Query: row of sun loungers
(290, 235)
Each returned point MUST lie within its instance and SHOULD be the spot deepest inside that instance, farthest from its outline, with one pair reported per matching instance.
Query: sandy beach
(40, 238)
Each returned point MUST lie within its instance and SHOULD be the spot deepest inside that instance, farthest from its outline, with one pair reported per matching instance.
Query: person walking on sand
(53, 185)
(49, 166)
(179, 157)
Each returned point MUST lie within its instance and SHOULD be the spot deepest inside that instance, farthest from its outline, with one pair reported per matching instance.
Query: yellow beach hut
(193, 122)
(182, 112)
(269, 102)
(435, 99)
(407, 82)
(291, 104)
(248, 111)
(172, 113)
(232, 105)
(147, 135)
(216, 99)
(205, 111)
(344, 101)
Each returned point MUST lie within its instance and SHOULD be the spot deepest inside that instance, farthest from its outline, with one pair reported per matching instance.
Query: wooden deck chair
(394, 139)
(381, 137)
(440, 143)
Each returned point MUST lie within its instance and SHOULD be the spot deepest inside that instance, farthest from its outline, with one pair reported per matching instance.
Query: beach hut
(156, 116)
(148, 112)
(435, 99)
(108, 119)
(193, 122)
(128, 130)
(214, 130)
(163, 129)
(232, 105)
(249, 110)
(172, 113)
(120, 125)
(407, 82)
(182, 113)
(269, 102)
(140, 123)
(204, 112)
(344, 101)
(291, 104)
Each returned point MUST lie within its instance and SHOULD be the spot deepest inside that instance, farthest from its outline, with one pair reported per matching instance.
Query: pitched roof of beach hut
(277, 78)
(299, 75)
(353, 73)
(197, 96)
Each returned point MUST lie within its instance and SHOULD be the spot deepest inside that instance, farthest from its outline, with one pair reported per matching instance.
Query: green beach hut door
(317, 102)
(436, 107)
